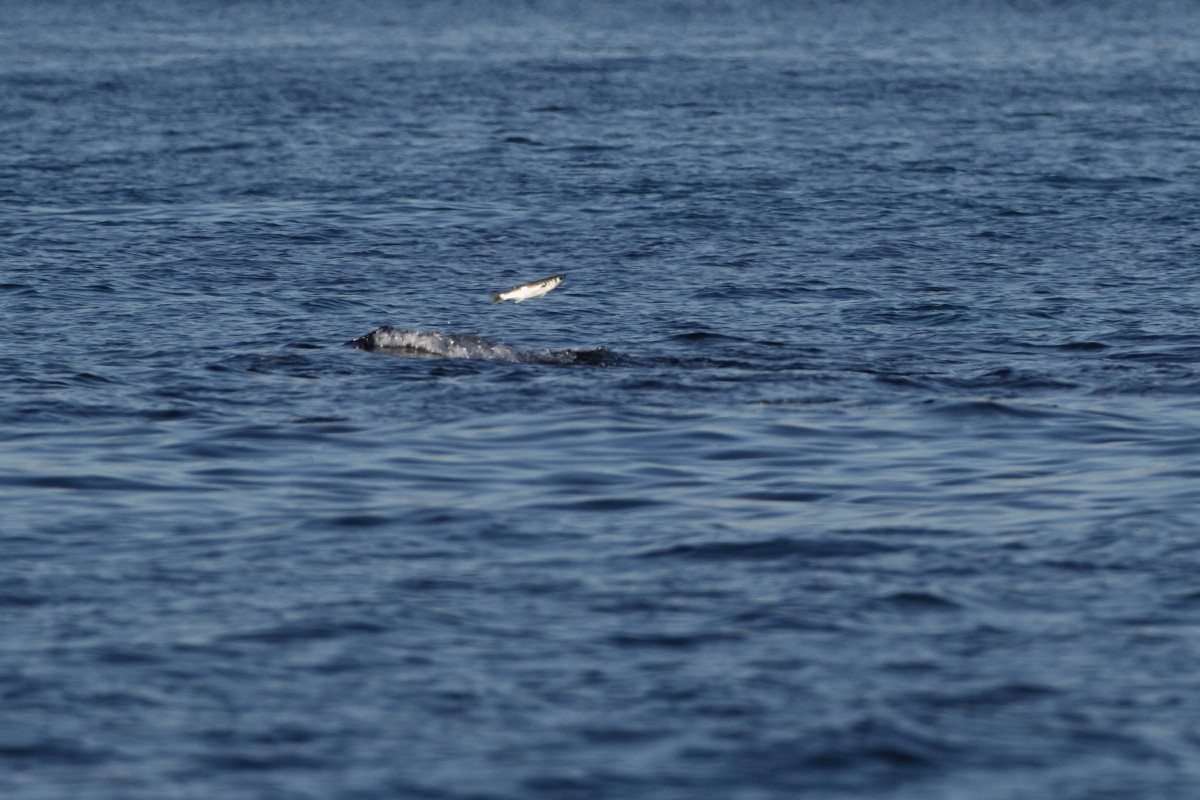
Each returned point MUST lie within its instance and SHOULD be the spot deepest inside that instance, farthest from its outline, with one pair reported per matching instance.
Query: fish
(528, 290)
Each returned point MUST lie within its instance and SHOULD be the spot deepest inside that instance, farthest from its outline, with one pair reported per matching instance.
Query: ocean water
(858, 455)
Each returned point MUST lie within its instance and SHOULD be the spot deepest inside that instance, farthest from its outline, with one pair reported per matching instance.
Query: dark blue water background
(857, 456)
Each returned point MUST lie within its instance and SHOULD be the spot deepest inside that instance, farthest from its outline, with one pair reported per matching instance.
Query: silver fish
(528, 290)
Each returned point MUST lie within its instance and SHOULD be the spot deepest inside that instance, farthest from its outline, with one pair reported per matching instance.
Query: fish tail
(496, 298)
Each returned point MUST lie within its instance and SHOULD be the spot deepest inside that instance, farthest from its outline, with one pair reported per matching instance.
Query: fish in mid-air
(528, 290)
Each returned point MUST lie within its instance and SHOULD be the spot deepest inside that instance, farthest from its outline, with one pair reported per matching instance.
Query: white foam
(442, 345)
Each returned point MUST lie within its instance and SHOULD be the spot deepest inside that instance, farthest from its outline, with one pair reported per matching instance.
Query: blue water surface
(856, 457)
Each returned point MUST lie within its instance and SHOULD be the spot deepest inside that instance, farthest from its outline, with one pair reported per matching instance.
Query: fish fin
(496, 298)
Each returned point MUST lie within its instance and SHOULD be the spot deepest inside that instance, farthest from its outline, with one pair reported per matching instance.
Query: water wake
(431, 344)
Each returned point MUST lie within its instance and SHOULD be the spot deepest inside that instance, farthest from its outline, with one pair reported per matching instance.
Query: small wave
(699, 336)
(916, 601)
(770, 549)
(1107, 183)
(431, 344)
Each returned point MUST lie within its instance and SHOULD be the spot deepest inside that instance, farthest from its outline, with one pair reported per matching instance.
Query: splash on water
(431, 344)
